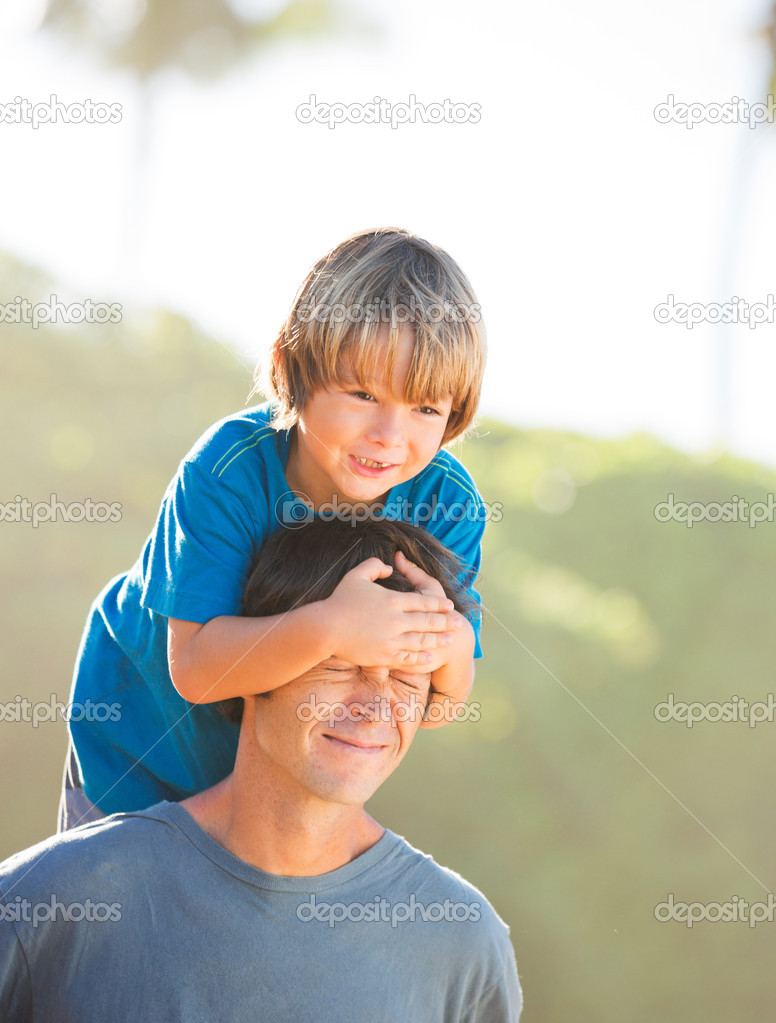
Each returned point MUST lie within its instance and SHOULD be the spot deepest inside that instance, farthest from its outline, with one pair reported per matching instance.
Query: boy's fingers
(435, 622)
(408, 658)
(414, 573)
(372, 569)
(417, 641)
(426, 602)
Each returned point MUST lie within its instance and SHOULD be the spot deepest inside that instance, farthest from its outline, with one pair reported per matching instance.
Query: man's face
(368, 718)
(353, 444)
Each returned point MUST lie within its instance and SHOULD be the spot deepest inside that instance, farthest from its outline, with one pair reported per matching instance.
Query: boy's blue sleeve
(197, 558)
(464, 539)
(455, 513)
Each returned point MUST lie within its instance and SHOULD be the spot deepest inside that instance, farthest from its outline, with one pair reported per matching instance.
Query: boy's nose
(387, 428)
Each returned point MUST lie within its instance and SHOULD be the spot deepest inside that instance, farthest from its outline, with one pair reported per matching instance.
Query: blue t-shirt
(144, 917)
(136, 739)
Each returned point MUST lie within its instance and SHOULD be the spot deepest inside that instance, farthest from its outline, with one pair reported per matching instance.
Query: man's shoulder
(76, 858)
(452, 897)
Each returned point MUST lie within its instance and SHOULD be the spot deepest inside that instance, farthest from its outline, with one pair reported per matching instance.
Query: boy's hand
(373, 625)
(452, 665)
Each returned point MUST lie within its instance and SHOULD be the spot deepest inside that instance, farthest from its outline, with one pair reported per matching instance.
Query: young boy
(378, 364)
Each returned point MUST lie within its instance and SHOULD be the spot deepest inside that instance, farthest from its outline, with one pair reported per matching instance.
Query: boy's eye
(362, 394)
(428, 410)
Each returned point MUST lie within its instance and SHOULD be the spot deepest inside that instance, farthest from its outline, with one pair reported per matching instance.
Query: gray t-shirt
(143, 917)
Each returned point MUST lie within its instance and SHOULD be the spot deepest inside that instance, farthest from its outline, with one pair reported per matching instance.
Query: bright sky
(573, 211)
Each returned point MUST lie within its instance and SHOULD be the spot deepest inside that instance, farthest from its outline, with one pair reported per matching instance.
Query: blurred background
(577, 212)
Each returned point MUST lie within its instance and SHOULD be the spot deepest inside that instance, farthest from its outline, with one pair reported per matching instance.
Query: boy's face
(353, 445)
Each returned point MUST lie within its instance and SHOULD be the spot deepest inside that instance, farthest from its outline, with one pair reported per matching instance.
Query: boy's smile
(353, 445)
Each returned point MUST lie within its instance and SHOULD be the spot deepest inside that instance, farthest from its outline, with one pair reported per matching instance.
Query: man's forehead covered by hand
(306, 564)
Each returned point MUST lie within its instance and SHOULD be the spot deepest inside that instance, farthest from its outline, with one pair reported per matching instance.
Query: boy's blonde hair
(374, 278)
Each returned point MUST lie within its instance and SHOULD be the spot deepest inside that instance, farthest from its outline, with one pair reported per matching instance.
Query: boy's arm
(452, 667)
(360, 622)
(452, 682)
(230, 656)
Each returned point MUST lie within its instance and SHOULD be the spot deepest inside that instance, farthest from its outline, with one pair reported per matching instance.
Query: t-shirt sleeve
(200, 550)
(502, 1001)
(15, 986)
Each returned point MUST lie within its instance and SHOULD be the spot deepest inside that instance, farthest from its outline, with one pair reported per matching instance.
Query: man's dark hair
(302, 565)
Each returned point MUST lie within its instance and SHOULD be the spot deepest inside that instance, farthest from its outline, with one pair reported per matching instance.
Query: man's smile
(350, 744)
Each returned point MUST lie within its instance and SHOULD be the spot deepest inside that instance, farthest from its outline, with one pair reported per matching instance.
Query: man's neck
(278, 830)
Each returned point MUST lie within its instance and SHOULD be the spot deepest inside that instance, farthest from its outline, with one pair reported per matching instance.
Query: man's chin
(347, 793)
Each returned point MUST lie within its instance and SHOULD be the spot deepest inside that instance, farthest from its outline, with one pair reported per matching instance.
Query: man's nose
(369, 697)
(376, 707)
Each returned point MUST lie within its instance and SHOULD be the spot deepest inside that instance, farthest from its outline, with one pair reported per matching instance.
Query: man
(273, 895)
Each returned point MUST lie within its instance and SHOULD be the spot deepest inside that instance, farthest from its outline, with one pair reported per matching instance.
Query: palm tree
(736, 215)
(205, 39)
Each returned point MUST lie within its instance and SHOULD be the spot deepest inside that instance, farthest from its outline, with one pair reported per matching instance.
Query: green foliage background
(568, 803)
